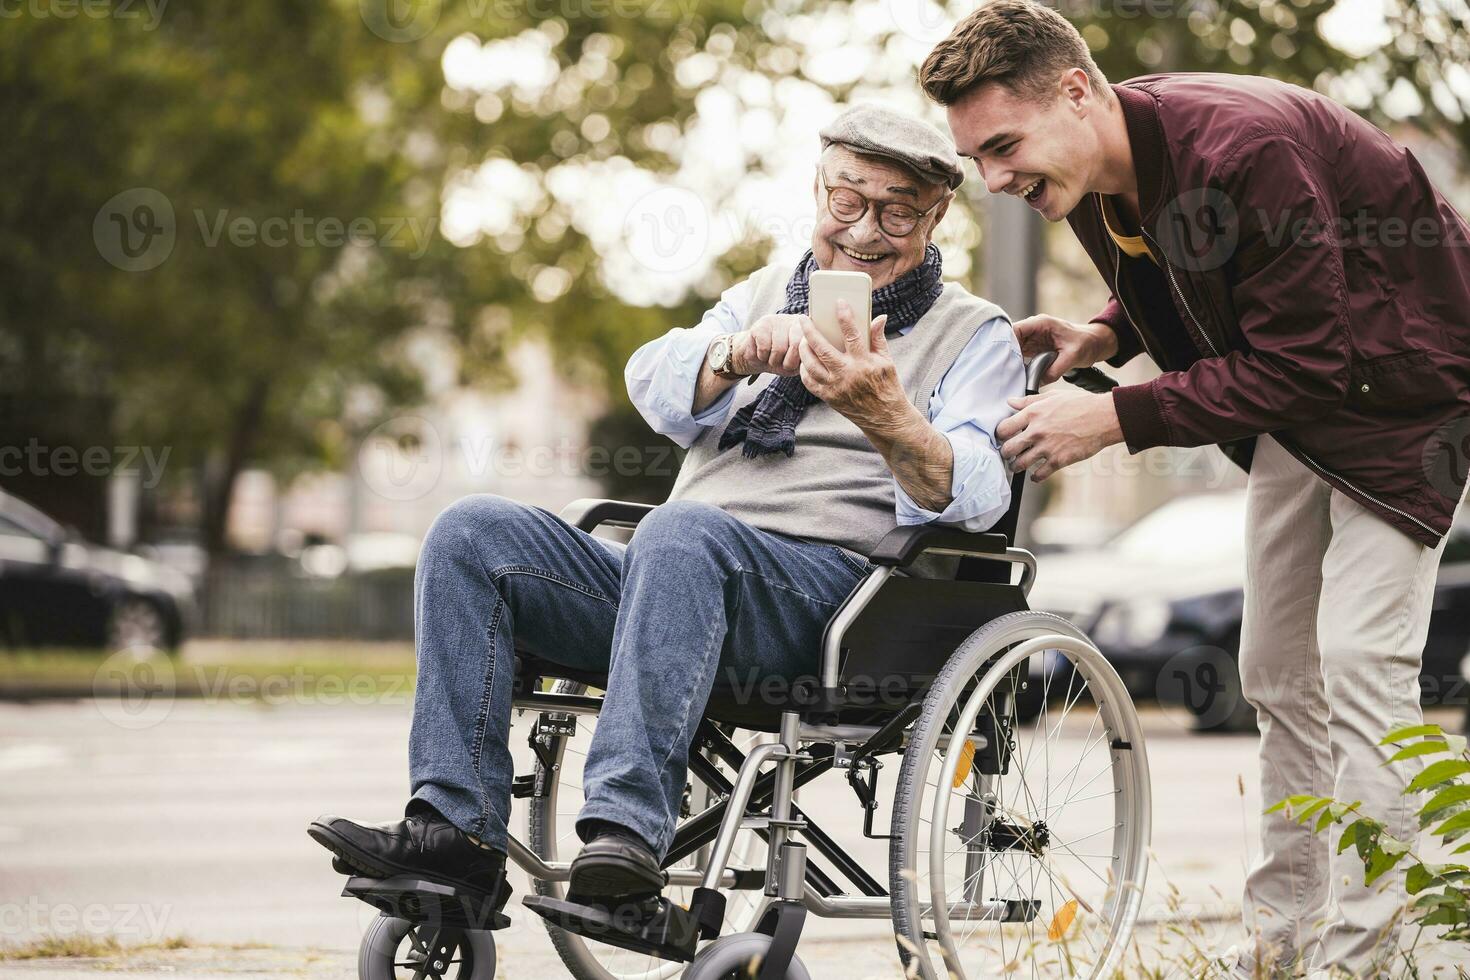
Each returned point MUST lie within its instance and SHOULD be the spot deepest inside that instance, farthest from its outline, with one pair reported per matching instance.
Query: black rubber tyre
(389, 944)
(732, 958)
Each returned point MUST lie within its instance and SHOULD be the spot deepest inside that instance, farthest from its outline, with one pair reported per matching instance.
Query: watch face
(720, 355)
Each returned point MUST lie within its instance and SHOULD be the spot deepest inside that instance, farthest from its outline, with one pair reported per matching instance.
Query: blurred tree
(223, 220)
(1419, 74)
(221, 223)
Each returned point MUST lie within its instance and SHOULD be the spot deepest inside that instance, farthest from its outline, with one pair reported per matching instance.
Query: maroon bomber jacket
(1314, 285)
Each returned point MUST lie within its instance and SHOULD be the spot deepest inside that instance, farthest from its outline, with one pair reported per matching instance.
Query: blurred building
(528, 443)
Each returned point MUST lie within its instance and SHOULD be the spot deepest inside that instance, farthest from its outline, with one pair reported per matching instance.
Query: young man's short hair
(1020, 44)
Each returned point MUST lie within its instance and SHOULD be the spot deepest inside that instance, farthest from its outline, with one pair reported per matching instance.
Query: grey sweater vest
(836, 488)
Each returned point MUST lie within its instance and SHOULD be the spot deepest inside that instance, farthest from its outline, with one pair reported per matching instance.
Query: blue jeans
(695, 593)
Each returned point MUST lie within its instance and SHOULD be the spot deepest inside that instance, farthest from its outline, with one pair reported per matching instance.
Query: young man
(1304, 288)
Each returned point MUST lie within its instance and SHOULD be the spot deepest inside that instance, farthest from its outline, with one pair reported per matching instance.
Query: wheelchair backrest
(907, 632)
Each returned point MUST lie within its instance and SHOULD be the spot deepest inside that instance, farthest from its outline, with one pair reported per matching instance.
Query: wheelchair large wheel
(1021, 853)
(553, 837)
(396, 949)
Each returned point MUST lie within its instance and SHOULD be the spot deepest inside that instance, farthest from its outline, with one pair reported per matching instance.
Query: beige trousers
(1337, 606)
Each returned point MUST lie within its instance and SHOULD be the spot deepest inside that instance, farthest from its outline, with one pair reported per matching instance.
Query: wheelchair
(1020, 812)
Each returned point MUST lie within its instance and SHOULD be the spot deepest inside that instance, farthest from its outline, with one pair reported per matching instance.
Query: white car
(1163, 600)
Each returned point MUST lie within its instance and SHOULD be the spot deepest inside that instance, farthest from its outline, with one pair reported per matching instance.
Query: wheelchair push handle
(1091, 379)
(1088, 378)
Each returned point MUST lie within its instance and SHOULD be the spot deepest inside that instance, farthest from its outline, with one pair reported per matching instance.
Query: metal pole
(1012, 245)
(1013, 248)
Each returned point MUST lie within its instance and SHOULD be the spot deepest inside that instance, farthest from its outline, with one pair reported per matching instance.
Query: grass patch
(56, 947)
(271, 672)
(83, 946)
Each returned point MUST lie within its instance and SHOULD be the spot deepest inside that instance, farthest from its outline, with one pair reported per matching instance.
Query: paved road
(193, 827)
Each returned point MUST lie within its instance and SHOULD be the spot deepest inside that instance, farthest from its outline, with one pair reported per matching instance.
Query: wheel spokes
(587, 957)
(1041, 885)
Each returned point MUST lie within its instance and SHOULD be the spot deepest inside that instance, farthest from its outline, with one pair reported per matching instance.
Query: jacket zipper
(1117, 293)
(1326, 472)
(1169, 270)
(1117, 265)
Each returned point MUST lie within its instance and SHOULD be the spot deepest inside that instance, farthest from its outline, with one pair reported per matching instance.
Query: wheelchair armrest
(590, 513)
(903, 544)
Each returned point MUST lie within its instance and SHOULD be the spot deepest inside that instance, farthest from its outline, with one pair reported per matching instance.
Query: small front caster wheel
(396, 949)
(738, 957)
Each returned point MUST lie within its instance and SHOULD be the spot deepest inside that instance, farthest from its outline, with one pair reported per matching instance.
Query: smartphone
(826, 288)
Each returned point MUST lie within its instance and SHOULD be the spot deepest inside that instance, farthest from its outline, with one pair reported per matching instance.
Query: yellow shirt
(1133, 246)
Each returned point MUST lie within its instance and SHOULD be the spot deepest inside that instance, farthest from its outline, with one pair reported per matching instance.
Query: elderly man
(790, 480)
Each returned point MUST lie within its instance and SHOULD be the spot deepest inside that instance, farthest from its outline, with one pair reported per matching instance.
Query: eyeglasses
(849, 206)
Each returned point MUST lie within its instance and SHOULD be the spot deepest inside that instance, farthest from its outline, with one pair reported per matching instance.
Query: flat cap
(879, 131)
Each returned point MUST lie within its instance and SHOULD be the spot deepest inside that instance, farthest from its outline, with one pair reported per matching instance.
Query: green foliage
(1283, 39)
(233, 351)
(1443, 890)
(284, 355)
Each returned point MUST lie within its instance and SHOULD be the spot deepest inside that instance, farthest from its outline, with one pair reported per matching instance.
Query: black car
(1163, 600)
(58, 590)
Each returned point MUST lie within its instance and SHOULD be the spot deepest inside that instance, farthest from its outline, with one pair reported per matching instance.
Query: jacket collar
(1146, 138)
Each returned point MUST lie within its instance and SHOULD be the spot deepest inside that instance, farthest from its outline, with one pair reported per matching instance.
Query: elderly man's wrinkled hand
(860, 380)
(771, 345)
(1057, 428)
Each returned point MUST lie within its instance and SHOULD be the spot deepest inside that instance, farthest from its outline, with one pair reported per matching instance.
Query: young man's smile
(1035, 194)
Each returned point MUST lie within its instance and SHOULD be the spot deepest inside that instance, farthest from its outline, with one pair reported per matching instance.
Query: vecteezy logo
(399, 20)
(402, 459)
(926, 21)
(667, 230)
(1198, 229)
(1447, 458)
(134, 688)
(1196, 687)
(134, 230)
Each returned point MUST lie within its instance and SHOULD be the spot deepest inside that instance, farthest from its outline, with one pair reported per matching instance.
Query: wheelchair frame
(721, 822)
(811, 740)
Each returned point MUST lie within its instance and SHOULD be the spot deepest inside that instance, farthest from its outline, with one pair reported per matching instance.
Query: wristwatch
(720, 356)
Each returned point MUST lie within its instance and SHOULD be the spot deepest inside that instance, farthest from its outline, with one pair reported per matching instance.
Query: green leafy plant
(1442, 890)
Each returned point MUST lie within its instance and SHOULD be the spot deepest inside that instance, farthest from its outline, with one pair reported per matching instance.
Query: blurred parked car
(1053, 534)
(59, 590)
(1163, 601)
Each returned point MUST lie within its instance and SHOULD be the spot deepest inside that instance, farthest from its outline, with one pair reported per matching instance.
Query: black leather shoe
(614, 865)
(424, 845)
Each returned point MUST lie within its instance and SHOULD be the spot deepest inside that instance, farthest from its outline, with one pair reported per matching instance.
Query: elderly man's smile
(862, 259)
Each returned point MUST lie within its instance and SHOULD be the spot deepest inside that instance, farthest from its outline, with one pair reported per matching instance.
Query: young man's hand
(1077, 344)
(1057, 428)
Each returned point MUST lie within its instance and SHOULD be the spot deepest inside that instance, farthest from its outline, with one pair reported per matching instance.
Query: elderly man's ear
(943, 208)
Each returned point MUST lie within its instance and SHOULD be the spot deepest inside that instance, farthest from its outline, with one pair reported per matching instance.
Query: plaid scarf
(768, 424)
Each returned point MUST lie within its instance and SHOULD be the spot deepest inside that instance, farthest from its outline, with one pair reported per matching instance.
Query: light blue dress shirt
(967, 404)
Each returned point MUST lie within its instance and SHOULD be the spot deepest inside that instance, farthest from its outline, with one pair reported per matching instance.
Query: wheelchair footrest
(429, 902)
(649, 924)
